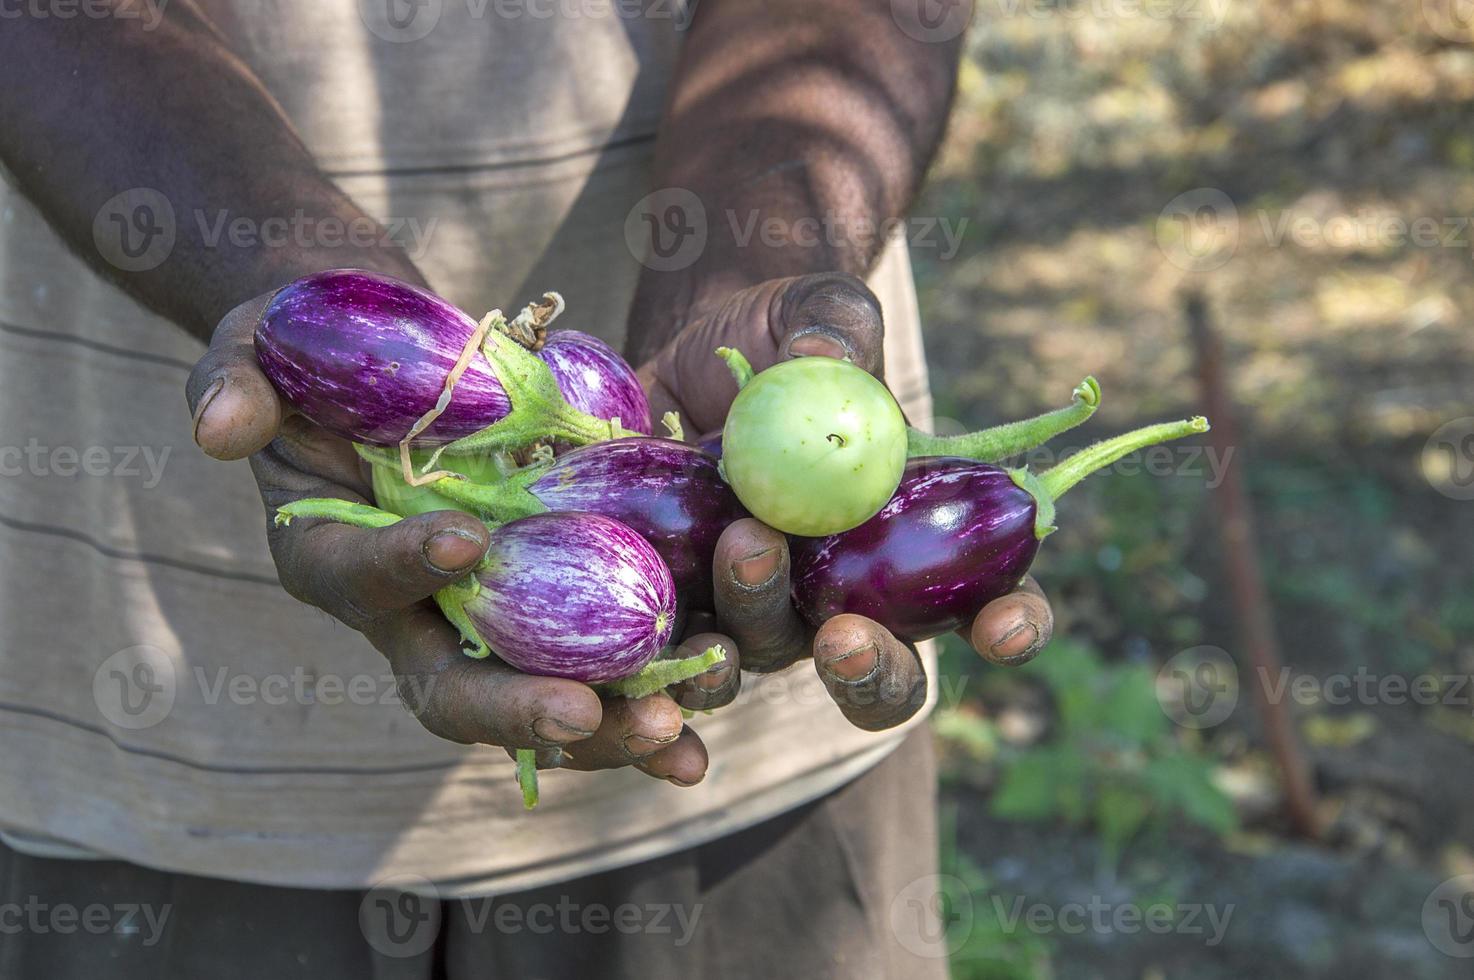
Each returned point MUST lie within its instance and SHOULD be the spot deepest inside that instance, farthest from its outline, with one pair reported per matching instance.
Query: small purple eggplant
(366, 356)
(594, 378)
(668, 491)
(573, 595)
(956, 535)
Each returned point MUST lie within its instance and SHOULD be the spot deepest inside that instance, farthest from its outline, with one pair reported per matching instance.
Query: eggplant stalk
(738, 364)
(1049, 486)
(1002, 441)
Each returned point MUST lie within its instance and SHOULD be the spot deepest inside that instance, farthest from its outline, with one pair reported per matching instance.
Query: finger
(877, 681)
(235, 409)
(357, 575)
(631, 731)
(719, 685)
(1012, 629)
(479, 701)
(750, 577)
(683, 762)
(830, 315)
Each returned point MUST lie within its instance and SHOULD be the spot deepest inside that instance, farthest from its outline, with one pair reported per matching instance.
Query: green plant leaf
(1185, 782)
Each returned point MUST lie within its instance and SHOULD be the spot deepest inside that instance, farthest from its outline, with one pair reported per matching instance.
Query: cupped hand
(379, 582)
(877, 680)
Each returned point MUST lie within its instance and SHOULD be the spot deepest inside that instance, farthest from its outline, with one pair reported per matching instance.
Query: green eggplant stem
(739, 365)
(333, 509)
(661, 674)
(1049, 486)
(495, 503)
(1064, 475)
(452, 601)
(527, 777)
(1002, 441)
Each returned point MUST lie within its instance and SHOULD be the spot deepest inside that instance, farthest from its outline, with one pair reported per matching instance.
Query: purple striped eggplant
(365, 356)
(573, 595)
(668, 491)
(956, 535)
(594, 378)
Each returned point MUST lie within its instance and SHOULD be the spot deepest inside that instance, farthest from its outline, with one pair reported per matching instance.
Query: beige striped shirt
(161, 698)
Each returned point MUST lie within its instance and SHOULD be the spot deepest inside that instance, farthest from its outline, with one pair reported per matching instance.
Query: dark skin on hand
(790, 110)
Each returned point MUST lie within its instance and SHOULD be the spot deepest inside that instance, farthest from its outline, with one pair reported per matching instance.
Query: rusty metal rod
(1241, 563)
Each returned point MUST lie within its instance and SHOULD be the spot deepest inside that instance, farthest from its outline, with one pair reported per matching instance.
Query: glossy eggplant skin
(595, 379)
(573, 595)
(668, 491)
(365, 356)
(956, 535)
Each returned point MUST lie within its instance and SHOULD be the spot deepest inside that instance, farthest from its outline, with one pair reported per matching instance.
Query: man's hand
(379, 583)
(876, 680)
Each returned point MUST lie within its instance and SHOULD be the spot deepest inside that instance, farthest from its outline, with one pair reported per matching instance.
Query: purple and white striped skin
(365, 356)
(956, 535)
(573, 595)
(595, 379)
(668, 491)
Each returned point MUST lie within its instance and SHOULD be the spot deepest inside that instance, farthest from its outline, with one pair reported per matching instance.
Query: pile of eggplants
(599, 530)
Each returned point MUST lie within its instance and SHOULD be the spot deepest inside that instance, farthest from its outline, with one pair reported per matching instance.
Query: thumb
(236, 411)
(830, 314)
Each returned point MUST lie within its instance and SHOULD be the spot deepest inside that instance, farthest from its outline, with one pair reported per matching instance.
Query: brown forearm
(801, 127)
(92, 107)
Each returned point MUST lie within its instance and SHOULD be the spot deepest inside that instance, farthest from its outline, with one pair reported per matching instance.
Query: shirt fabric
(162, 699)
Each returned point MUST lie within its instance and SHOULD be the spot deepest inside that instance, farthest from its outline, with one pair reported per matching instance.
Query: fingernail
(553, 730)
(453, 550)
(199, 412)
(757, 569)
(815, 343)
(1016, 642)
(640, 745)
(675, 781)
(714, 677)
(854, 666)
